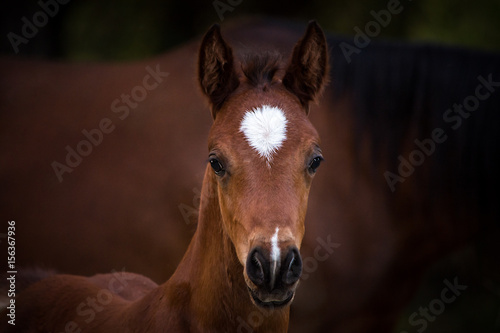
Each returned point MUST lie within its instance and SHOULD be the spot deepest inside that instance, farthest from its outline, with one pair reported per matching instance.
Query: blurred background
(131, 29)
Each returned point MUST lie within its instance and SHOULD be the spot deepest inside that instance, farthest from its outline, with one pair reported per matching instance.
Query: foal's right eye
(217, 166)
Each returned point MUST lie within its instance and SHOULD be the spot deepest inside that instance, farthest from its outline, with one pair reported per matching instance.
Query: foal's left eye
(217, 166)
(315, 163)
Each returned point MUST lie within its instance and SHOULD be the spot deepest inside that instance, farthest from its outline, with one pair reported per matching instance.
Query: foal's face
(264, 153)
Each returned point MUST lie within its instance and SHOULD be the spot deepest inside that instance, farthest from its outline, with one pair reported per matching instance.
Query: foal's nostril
(267, 274)
(293, 266)
(256, 267)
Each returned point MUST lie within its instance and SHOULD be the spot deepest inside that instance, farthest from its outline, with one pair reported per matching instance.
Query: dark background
(133, 29)
(126, 30)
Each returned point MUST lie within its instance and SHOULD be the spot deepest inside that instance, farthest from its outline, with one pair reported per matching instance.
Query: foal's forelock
(262, 68)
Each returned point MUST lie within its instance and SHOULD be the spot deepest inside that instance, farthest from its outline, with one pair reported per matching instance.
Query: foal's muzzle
(273, 279)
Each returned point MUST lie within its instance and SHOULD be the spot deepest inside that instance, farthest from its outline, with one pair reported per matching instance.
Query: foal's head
(263, 153)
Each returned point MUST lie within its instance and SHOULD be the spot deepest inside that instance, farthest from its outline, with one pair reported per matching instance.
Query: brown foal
(243, 264)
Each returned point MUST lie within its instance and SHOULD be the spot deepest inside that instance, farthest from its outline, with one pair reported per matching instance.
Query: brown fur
(262, 69)
(215, 68)
(120, 207)
(209, 290)
(305, 81)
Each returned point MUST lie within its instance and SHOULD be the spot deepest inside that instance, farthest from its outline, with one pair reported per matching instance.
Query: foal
(242, 266)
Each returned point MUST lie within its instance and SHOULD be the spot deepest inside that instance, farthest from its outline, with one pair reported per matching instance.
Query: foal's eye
(315, 163)
(217, 166)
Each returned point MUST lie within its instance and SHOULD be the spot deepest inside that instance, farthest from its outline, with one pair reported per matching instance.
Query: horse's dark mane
(400, 93)
(260, 68)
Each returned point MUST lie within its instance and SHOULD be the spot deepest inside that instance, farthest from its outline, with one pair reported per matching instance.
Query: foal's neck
(217, 297)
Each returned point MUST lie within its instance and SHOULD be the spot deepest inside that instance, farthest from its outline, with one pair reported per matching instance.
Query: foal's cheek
(301, 219)
(229, 220)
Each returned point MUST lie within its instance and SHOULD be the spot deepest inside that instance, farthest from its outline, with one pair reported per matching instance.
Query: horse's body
(244, 258)
(116, 204)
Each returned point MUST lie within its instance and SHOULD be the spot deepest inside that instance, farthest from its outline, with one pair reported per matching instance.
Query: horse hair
(400, 93)
(260, 68)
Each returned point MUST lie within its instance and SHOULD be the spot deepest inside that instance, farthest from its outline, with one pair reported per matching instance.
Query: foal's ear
(307, 72)
(216, 72)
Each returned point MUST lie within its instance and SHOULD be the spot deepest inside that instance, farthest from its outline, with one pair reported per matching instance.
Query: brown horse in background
(244, 256)
(115, 209)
